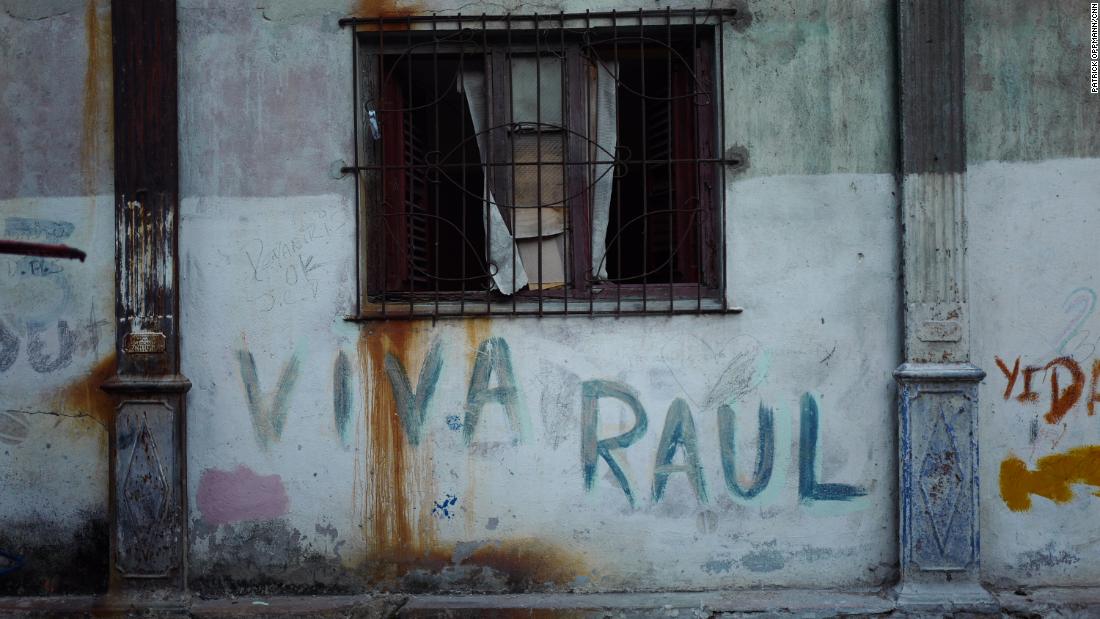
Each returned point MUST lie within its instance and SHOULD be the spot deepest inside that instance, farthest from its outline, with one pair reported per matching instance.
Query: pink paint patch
(240, 494)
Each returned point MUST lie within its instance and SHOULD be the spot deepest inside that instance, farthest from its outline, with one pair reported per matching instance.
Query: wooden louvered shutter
(407, 240)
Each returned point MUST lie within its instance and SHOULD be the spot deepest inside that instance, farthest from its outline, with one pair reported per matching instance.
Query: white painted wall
(1033, 284)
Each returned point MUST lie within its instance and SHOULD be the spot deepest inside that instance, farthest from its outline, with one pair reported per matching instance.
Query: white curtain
(505, 263)
(603, 174)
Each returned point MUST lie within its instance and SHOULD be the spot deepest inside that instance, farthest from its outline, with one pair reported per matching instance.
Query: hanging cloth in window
(602, 152)
(505, 262)
(537, 143)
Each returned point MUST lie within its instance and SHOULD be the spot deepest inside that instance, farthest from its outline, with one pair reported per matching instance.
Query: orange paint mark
(1062, 401)
(1028, 395)
(1011, 376)
(84, 397)
(397, 492)
(1051, 478)
(1094, 395)
(97, 119)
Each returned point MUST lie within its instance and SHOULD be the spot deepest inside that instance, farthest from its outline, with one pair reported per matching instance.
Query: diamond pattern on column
(145, 488)
(941, 480)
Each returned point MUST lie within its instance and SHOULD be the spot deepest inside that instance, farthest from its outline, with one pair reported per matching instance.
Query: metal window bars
(539, 165)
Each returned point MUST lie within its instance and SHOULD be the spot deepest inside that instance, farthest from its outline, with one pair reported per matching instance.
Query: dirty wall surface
(56, 334)
(462, 467)
(310, 472)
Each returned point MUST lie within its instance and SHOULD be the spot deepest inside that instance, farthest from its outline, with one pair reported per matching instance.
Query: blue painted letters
(808, 487)
(593, 448)
(679, 432)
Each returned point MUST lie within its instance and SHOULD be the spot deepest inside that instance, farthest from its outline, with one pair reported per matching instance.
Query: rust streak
(384, 8)
(97, 35)
(530, 564)
(397, 476)
(84, 396)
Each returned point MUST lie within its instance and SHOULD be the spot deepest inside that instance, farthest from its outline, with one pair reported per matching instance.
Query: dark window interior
(432, 177)
(437, 201)
(653, 229)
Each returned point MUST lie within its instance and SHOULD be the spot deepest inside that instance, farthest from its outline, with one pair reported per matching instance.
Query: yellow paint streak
(397, 476)
(1051, 478)
(97, 117)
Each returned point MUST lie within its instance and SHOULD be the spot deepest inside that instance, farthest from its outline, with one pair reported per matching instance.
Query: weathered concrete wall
(55, 316)
(303, 475)
(1034, 178)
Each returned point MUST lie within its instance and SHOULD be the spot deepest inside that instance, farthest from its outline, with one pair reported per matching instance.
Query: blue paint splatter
(454, 422)
(445, 508)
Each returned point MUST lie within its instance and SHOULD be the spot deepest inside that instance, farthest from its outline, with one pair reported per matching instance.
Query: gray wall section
(56, 185)
(265, 98)
(810, 88)
(55, 98)
(1027, 91)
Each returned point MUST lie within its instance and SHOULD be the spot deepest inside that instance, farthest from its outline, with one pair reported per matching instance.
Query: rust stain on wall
(84, 397)
(1052, 477)
(530, 564)
(97, 96)
(397, 480)
(384, 8)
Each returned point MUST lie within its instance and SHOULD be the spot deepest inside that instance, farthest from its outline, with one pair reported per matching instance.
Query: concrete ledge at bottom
(1045, 602)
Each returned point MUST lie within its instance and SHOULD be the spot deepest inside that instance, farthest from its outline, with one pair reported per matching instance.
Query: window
(539, 165)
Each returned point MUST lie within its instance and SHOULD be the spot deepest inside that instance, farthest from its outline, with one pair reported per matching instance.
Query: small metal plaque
(144, 343)
(940, 331)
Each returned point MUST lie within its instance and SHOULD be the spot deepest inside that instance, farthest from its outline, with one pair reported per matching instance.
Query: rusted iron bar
(42, 250)
(731, 12)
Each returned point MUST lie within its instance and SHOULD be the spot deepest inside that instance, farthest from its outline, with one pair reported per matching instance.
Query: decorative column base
(938, 471)
(148, 492)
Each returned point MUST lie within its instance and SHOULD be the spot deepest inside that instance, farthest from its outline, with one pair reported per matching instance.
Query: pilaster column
(938, 387)
(147, 435)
